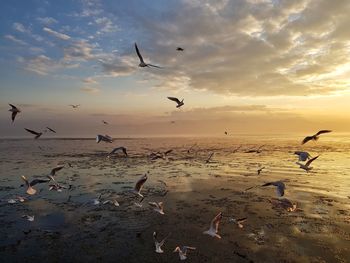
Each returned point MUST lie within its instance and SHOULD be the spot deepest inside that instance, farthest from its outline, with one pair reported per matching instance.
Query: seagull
(139, 204)
(280, 187)
(123, 149)
(179, 103)
(303, 156)
(209, 157)
(189, 150)
(104, 138)
(159, 244)
(306, 166)
(14, 111)
(314, 137)
(29, 218)
(56, 169)
(104, 122)
(179, 49)
(226, 133)
(142, 63)
(160, 155)
(74, 106)
(30, 189)
(97, 200)
(260, 170)
(183, 251)
(139, 184)
(239, 221)
(214, 226)
(37, 134)
(158, 207)
(52, 130)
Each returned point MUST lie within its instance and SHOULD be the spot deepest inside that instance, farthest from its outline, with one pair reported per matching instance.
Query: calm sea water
(68, 227)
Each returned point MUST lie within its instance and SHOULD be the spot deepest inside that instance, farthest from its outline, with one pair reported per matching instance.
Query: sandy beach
(69, 227)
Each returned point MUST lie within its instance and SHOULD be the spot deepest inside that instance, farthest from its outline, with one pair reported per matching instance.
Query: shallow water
(69, 228)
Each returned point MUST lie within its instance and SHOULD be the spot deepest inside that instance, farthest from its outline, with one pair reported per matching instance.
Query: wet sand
(74, 230)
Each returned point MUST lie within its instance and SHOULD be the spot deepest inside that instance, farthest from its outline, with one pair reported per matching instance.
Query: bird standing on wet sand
(142, 62)
(183, 251)
(14, 111)
(315, 136)
(214, 226)
(178, 102)
(159, 244)
(37, 134)
(139, 184)
(307, 166)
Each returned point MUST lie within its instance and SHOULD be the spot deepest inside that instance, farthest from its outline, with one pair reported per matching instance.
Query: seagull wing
(138, 53)
(39, 181)
(51, 129)
(140, 183)
(323, 131)
(13, 116)
(33, 132)
(13, 107)
(151, 65)
(56, 169)
(168, 151)
(311, 160)
(280, 188)
(216, 221)
(174, 99)
(306, 139)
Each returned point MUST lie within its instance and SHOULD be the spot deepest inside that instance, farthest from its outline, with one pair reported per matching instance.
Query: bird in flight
(183, 251)
(14, 111)
(51, 130)
(226, 133)
(315, 136)
(260, 170)
(37, 134)
(209, 157)
(142, 62)
(123, 149)
(30, 189)
(238, 221)
(104, 122)
(56, 169)
(179, 49)
(280, 187)
(159, 244)
(158, 207)
(179, 103)
(104, 138)
(303, 156)
(214, 226)
(139, 184)
(75, 106)
(307, 166)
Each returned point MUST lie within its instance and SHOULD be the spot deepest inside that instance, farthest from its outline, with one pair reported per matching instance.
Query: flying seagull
(74, 106)
(307, 166)
(14, 111)
(209, 157)
(226, 133)
(142, 62)
(179, 49)
(179, 103)
(37, 134)
(158, 207)
(52, 130)
(30, 189)
(104, 122)
(123, 149)
(29, 218)
(303, 156)
(139, 184)
(214, 226)
(183, 251)
(159, 244)
(280, 187)
(104, 138)
(314, 137)
(238, 221)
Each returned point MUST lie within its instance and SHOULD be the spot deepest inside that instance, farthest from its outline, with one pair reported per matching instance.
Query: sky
(248, 66)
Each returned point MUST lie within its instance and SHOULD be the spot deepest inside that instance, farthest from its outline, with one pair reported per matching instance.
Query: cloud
(56, 34)
(20, 28)
(90, 89)
(89, 81)
(79, 50)
(47, 20)
(16, 40)
(106, 25)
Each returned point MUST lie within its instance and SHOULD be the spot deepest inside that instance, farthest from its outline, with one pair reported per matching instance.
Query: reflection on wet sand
(311, 223)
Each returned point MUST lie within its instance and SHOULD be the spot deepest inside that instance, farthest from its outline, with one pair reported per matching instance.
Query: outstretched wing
(311, 160)
(140, 183)
(51, 129)
(33, 132)
(306, 139)
(39, 181)
(151, 65)
(174, 99)
(56, 169)
(216, 221)
(138, 53)
(13, 116)
(323, 131)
